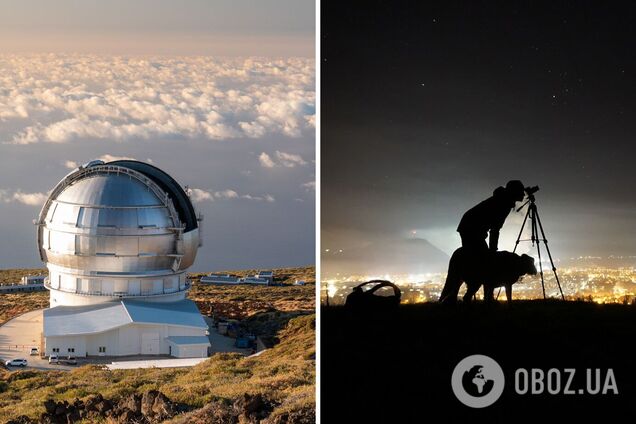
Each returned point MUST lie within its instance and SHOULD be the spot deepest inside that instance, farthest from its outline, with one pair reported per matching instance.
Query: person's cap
(515, 187)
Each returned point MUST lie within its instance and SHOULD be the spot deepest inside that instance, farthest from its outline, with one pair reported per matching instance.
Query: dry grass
(240, 302)
(14, 275)
(281, 275)
(284, 374)
(14, 304)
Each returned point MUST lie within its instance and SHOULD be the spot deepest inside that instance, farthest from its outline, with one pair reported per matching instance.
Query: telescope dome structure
(117, 230)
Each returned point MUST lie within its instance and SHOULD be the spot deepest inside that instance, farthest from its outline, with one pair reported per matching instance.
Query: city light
(597, 284)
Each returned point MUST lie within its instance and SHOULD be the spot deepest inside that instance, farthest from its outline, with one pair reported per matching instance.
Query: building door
(150, 343)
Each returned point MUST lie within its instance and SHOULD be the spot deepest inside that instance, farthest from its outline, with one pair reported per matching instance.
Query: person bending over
(488, 217)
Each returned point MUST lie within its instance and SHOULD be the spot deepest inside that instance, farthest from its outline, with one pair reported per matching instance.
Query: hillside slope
(283, 378)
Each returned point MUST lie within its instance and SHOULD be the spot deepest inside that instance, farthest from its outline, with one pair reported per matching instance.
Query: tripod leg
(535, 237)
(523, 225)
(545, 241)
(525, 219)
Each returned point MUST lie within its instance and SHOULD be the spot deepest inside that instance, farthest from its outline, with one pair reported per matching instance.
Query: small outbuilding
(188, 346)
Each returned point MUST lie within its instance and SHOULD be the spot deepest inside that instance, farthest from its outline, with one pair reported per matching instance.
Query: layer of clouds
(198, 195)
(309, 186)
(287, 160)
(31, 199)
(62, 98)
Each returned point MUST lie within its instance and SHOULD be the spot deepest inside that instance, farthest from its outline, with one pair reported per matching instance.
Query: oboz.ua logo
(478, 381)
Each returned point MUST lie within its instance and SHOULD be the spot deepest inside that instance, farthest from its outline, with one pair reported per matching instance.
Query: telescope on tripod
(535, 226)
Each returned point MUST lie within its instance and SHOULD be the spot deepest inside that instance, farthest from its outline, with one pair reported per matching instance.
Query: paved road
(221, 343)
(19, 335)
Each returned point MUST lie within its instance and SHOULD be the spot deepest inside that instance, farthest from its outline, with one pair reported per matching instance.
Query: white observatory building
(117, 239)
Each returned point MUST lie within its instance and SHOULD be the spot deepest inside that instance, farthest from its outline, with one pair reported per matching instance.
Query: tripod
(535, 225)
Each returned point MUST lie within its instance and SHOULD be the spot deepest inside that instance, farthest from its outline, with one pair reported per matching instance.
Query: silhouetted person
(477, 223)
(488, 217)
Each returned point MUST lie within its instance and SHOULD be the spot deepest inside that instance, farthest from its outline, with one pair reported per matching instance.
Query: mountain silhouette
(388, 256)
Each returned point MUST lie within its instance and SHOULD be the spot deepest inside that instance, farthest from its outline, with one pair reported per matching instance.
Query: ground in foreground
(396, 367)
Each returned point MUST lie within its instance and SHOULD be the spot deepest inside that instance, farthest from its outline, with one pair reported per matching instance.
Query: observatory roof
(67, 320)
(116, 190)
(76, 320)
(183, 312)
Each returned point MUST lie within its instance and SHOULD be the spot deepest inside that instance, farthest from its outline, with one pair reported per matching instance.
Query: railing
(18, 347)
(186, 287)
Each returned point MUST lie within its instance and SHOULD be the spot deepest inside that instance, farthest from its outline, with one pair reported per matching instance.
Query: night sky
(427, 109)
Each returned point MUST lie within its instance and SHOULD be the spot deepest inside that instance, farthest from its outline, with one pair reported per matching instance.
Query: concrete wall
(64, 343)
(121, 341)
(108, 339)
(192, 351)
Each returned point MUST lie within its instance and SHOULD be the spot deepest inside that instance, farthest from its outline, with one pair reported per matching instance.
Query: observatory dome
(117, 230)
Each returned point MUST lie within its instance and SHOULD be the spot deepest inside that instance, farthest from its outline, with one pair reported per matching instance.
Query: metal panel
(106, 246)
(87, 217)
(45, 239)
(109, 190)
(147, 287)
(62, 242)
(134, 287)
(153, 217)
(87, 245)
(149, 343)
(127, 246)
(65, 214)
(190, 246)
(118, 218)
(51, 211)
(107, 286)
(170, 284)
(68, 282)
(160, 244)
(120, 286)
(85, 287)
(94, 286)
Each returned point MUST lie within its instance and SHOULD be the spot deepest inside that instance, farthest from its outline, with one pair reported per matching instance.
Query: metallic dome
(115, 230)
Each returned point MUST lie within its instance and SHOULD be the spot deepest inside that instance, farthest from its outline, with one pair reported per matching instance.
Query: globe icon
(475, 383)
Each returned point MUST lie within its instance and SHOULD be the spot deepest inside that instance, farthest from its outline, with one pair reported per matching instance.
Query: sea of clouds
(65, 99)
(62, 98)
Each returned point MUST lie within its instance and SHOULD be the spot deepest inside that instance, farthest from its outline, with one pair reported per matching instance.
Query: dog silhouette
(496, 269)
